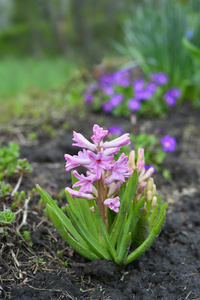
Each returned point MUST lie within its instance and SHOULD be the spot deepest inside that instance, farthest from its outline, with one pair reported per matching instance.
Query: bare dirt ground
(170, 269)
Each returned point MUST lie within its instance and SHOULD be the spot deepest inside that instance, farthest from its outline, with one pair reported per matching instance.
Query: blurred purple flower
(143, 95)
(106, 79)
(152, 86)
(115, 130)
(134, 104)
(168, 143)
(108, 90)
(88, 97)
(138, 85)
(160, 78)
(171, 96)
(116, 100)
(147, 167)
(171, 101)
(122, 78)
(107, 107)
(175, 92)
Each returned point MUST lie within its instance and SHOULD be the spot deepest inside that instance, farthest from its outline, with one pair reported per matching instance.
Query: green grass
(18, 75)
(31, 88)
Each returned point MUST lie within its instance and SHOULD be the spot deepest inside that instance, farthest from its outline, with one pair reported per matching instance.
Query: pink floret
(113, 203)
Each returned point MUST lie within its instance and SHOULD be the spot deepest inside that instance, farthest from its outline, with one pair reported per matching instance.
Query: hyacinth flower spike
(108, 206)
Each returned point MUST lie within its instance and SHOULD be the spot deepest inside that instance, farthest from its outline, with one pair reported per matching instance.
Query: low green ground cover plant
(7, 217)
(113, 205)
(11, 167)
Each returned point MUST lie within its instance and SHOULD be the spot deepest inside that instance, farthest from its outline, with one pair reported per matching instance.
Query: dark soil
(170, 269)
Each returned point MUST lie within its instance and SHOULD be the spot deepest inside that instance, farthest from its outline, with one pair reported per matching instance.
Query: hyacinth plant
(113, 205)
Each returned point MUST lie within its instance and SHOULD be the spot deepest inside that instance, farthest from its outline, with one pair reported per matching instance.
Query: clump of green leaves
(7, 217)
(5, 190)
(22, 167)
(153, 44)
(11, 166)
(8, 159)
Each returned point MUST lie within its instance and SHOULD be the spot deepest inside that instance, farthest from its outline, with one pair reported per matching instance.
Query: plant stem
(18, 184)
(100, 199)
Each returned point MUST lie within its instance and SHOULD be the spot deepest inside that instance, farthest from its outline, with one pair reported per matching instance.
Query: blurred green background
(45, 43)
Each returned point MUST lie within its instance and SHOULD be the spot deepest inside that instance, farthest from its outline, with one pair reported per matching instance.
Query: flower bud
(148, 195)
(140, 154)
(131, 161)
(150, 184)
(142, 186)
(140, 165)
(154, 202)
(147, 175)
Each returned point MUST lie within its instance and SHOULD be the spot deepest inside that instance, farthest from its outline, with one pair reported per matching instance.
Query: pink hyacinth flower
(111, 151)
(99, 161)
(113, 188)
(99, 134)
(82, 142)
(118, 142)
(119, 170)
(84, 181)
(113, 203)
(82, 159)
(78, 194)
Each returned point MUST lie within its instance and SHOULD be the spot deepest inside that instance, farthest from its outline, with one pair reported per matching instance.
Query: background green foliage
(43, 43)
(154, 38)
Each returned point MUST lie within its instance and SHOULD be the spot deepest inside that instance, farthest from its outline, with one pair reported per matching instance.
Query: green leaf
(153, 217)
(126, 200)
(193, 50)
(63, 218)
(105, 234)
(81, 206)
(127, 244)
(122, 241)
(148, 242)
(96, 247)
(67, 237)
(137, 212)
(129, 228)
(7, 217)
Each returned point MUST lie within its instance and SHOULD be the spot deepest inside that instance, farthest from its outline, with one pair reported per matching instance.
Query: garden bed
(170, 269)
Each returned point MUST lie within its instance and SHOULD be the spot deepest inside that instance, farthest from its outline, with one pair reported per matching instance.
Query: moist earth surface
(170, 269)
